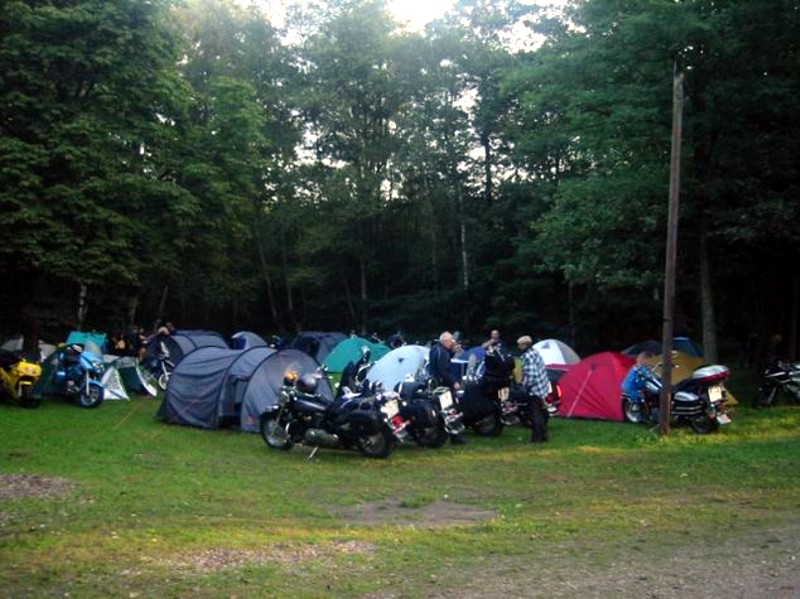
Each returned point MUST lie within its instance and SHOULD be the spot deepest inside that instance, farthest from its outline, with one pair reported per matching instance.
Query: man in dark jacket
(439, 368)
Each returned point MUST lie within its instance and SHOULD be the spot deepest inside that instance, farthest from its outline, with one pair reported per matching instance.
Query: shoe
(458, 440)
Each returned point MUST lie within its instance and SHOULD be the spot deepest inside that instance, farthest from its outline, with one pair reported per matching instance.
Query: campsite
(384, 299)
(113, 502)
(118, 501)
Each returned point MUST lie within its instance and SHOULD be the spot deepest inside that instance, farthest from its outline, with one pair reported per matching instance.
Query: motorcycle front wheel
(632, 410)
(767, 395)
(27, 399)
(163, 379)
(379, 445)
(703, 425)
(275, 434)
(90, 398)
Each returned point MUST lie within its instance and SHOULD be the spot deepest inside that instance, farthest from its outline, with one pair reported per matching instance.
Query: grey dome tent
(182, 342)
(246, 340)
(213, 387)
(317, 344)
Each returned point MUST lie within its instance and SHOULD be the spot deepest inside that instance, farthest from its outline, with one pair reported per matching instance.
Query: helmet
(307, 383)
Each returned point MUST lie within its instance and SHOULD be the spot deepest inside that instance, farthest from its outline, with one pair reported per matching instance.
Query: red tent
(591, 388)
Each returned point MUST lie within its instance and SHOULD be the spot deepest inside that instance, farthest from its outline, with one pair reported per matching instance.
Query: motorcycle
(428, 415)
(18, 377)
(77, 376)
(776, 379)
(302, 416)
(698, 400)
(159, 365)
(485, 403)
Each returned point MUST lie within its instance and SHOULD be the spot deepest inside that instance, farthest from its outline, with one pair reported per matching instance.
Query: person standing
(494, 341)
(439, 368)
(537, 386)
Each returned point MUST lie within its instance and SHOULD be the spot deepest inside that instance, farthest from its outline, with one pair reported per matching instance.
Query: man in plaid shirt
(537, 386)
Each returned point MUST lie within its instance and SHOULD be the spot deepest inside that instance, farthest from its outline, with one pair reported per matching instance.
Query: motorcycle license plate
(723, 419)
(446, 400)
(390, 408)
(715, 393)
(503, 394)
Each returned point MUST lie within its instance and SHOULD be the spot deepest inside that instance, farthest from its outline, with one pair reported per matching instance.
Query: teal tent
(350, 350)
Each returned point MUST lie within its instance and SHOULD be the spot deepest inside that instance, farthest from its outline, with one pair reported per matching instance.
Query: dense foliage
(193, 160)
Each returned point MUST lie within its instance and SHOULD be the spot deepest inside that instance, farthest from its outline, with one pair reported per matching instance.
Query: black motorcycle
(779, 378)
(698, 400)
(301, 416)
(428, 415)
(485, 403)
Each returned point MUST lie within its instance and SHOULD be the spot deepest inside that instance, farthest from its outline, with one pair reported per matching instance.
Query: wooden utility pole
(672, 251)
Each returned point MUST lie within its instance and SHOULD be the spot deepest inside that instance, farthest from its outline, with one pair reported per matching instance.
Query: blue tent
(394, 367)
(213, 386)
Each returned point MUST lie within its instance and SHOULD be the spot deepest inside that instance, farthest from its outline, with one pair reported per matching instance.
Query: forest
(506, 167)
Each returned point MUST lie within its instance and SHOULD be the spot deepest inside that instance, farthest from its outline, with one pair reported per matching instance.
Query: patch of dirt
(219, 559)
(393, 512)
(757, 563)
(34, 486)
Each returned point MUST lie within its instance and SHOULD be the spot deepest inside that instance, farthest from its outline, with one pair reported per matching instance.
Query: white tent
(394, 367)
(554, 351)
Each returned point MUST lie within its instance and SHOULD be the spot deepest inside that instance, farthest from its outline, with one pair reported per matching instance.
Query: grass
(197, 513)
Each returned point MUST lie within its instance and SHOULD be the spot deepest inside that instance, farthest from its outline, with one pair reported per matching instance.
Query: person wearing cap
(537, 386)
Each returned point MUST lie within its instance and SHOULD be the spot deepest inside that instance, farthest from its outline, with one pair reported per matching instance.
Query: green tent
(349, 350)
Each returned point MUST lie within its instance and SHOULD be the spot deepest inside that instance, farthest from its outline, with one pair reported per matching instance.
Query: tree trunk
(362, 271)
(709, 323)
(273, 305)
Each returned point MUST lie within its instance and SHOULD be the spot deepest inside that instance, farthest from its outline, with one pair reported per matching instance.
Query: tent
(246, 340)
(317, 344)
(213, 387)
(591, 388)
(349, 350)
(554, 351)
(184, 341)
(394, 367)
(94, 342)
(112, 381)
(15, 344)
(684, 345)
(133, 377)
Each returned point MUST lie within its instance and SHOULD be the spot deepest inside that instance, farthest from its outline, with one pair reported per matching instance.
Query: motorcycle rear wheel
(90, 398)
(490, 426)
(432, 436)
(703, 425)
(380, 445)
(275, 435)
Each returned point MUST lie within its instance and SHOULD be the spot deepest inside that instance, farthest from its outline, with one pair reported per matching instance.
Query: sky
(416, 13)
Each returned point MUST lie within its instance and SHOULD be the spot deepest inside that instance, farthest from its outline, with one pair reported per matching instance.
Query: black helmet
(307, 383)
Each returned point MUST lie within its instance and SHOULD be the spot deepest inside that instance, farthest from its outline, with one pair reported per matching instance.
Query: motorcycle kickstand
(313, 452)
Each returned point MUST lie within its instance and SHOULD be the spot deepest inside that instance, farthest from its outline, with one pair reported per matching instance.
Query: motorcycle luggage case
(365, 422)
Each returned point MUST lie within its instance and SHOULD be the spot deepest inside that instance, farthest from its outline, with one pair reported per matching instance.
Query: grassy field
(116, 504)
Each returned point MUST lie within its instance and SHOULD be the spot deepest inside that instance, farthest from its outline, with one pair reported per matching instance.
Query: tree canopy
(196, 161)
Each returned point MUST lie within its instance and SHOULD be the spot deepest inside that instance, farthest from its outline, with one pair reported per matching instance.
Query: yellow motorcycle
(18, 377)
